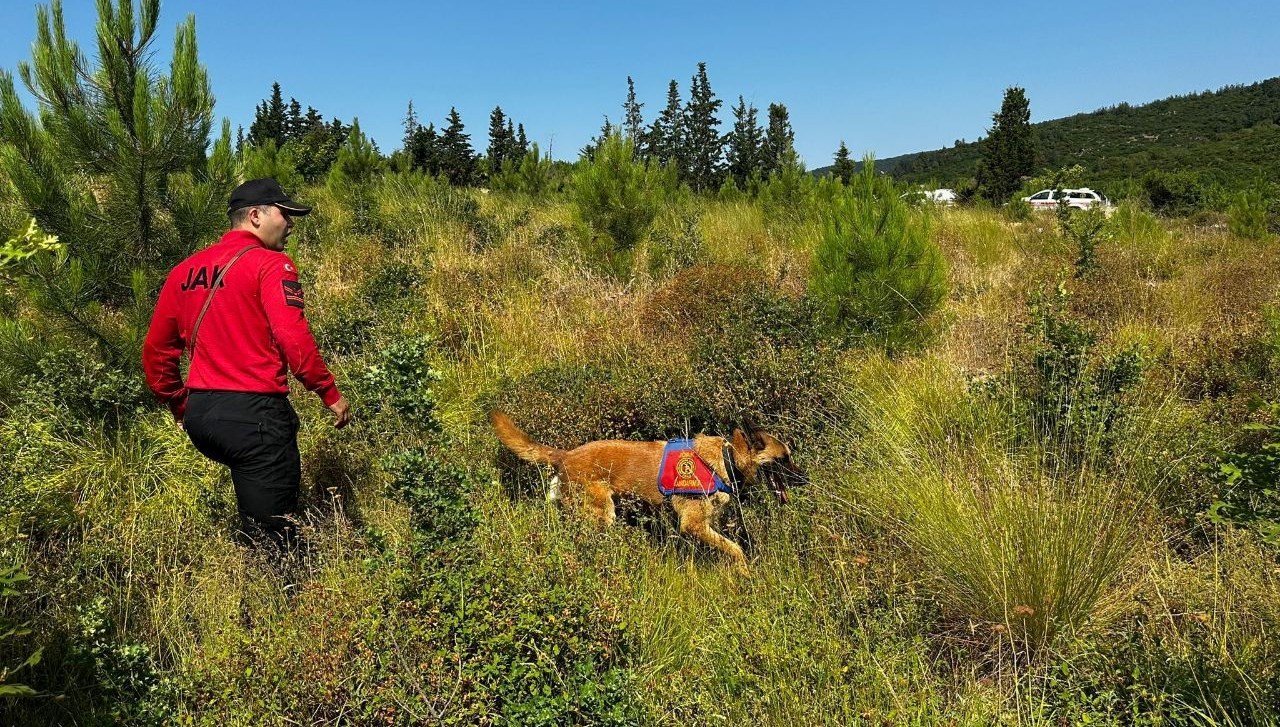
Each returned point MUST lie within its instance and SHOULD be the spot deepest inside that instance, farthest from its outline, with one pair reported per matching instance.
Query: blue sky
(886, 78)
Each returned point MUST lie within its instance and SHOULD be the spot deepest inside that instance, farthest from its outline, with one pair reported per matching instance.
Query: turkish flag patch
(292, 293)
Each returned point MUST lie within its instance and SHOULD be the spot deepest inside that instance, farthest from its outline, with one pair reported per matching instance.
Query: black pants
(256, 435)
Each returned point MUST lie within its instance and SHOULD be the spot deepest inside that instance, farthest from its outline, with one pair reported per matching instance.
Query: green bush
(1072, 396)
(344, 327)
(435, 493)
(877, 273)
(129, 685)
(1249, 480)
(535, 175)
(618, 196)
(1174, 193)
(401, 379)
(76, 390)
(1248, 215)
(1018, 210)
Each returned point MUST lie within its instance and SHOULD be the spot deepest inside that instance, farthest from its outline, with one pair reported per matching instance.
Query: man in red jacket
(237, 307)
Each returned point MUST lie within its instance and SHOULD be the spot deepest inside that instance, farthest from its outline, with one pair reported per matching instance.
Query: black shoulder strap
(191, 347)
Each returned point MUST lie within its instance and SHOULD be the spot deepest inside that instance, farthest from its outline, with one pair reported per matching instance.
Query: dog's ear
(771, 448)
(741, 444)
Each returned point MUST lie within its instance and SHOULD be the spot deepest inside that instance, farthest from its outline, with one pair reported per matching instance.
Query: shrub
(616, 195)
(877, 274)
(1249, 478)
(1087, 229)
(1018, 210)
(1071, 399)
(402, 379)
(788, 194)
(435, 493)
(1248, 215)
(344, 327)
(125, 675)
(1173, 193)
(74, 390)
(534, 175)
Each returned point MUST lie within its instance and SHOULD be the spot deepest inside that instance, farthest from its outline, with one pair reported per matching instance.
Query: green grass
(947, 565)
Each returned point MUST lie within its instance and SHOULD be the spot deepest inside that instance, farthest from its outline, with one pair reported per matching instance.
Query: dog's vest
(684, 473)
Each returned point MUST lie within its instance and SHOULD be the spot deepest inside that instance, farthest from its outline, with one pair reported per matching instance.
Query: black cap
(264, 191)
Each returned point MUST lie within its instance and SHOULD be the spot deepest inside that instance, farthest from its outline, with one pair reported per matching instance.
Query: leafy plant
(1087, 229)
(10, 579)
(436, 494)
(1250, 482)
(402, 379)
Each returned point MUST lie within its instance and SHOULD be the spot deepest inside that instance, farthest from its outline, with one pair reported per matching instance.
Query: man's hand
(342, 410)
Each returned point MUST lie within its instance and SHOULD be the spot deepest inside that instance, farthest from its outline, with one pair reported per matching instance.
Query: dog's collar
(731, 467)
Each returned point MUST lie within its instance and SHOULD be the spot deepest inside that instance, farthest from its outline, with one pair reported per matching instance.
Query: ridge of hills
(1230, 136)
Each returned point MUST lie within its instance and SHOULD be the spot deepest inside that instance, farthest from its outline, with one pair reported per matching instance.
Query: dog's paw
(553, 489)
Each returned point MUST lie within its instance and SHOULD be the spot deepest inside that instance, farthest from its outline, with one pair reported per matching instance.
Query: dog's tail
(520, 443)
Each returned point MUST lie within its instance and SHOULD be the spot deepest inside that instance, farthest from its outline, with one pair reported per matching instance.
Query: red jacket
(254, 332)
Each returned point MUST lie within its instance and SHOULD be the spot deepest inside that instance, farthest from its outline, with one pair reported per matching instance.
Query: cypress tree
(703, 144)
(844, 168)
(744, 149)
(514, 152)
(779, 141)
(1009, 151)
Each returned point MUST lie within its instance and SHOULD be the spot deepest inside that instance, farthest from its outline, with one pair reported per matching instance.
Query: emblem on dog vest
(684, 473)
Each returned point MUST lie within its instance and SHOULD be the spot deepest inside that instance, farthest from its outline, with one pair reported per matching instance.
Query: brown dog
(608, 468)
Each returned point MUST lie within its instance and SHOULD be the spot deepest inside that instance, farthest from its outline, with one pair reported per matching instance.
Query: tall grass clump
(1030, 553)
(877, 272)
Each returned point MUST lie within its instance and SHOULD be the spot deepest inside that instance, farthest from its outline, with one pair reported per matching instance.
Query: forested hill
(1230, 136)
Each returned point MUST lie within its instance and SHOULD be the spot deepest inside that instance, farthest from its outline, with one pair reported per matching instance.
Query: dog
(605, 469)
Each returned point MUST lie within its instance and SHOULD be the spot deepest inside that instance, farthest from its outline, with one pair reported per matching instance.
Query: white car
(1081, 199)
(944, 197)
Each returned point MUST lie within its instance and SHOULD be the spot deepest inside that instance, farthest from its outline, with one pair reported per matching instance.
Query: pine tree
(745, 146)
(522, 141)
(269, 122)
(844, 168)
(458, 160)
(499, 145)
(1009, 151)
(666, 136)
(411, 127)
(632, 122)
(703, 143)
(293, 124)
(424, 150)
(113, 161)
(514, 153)
(779, 141)
(588, 152)
(239, 138)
